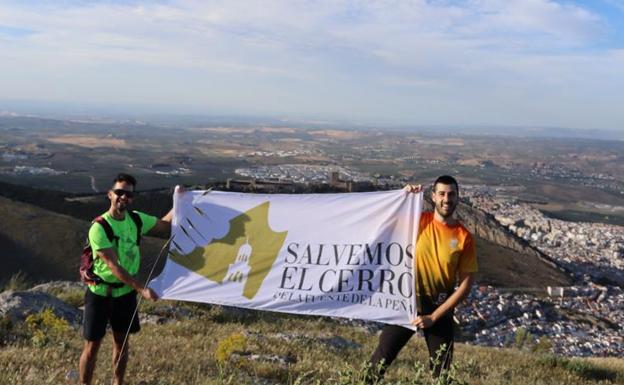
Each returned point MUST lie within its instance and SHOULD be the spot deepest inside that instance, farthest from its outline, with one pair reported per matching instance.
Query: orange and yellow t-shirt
(442, 251)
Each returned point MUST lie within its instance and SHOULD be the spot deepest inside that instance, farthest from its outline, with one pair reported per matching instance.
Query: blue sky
(474, 62)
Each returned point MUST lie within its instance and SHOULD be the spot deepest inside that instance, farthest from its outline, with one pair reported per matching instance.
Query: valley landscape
(528, 200)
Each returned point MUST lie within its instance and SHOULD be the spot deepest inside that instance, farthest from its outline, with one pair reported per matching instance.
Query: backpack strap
(110, 234)
(138, 222)
(107, 229)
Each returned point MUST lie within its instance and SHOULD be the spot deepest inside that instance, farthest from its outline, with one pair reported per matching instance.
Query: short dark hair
(121, 177)
(446, 179)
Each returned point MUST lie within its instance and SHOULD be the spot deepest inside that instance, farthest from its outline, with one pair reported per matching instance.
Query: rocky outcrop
(506, 260)
(59, 287)
(17, 305)
(484, 225)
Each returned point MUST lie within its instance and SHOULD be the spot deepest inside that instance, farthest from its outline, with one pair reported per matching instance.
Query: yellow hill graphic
(250, 229)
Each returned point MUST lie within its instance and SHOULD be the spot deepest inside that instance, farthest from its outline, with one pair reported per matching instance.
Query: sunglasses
(120, 193)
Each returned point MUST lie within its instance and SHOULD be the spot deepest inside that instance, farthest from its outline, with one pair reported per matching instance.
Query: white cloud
(519, 19)
(324, 57)
(619, 4)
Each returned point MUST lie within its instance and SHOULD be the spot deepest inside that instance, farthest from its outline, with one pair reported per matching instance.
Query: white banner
(344, 255)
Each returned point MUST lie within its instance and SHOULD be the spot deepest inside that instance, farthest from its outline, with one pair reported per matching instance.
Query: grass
(18, 281)
(584, 216)
(215, 347)
(74, 297)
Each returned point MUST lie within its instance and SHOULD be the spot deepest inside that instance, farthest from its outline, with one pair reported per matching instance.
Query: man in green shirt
(116, 262)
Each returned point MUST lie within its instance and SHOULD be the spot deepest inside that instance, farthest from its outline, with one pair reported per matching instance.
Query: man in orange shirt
(445, 256)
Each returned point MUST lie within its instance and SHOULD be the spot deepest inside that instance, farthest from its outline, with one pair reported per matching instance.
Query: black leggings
(439, 338)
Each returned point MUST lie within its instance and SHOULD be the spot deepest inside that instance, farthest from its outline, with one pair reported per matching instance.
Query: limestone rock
(17, 305)
(338, 342)
(55, 287)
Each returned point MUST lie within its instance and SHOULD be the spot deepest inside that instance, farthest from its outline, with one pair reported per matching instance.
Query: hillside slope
(46, 245)
(213, 345)
(504, 258)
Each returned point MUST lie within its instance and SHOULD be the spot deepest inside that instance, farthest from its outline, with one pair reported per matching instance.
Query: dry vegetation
(283, 130)
(213, 346)
(95, 141)
(339, 134)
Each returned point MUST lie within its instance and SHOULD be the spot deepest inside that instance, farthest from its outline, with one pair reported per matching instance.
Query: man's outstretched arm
(162, 228)
(465, 283)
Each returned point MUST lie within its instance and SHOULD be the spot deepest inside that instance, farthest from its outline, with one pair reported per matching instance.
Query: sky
(412, 62)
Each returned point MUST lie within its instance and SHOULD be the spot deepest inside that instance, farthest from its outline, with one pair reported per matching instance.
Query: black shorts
(99, 311)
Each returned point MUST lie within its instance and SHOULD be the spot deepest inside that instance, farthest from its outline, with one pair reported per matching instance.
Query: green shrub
(235, 342)
(45, 328)
(523, 339)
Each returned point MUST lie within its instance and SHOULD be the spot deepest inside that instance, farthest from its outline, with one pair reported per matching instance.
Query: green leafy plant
(523, 339)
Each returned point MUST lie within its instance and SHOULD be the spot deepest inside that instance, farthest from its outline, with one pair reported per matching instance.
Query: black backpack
(86, 258)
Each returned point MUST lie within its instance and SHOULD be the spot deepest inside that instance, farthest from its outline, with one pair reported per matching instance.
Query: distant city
(593, 252)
